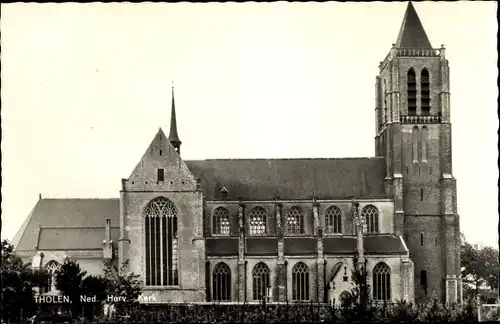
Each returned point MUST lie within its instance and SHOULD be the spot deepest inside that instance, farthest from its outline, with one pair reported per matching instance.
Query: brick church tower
(414, 135)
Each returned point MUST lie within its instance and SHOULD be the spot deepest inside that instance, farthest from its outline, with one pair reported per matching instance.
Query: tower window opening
(412, 93)
(161, 175)
(421, 238)
(425, 99)
(423, 281)
(161, 152)
(421, 194)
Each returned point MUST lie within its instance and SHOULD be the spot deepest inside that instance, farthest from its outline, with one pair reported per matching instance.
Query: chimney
(39, 196)
(107, 233)
(107, 248)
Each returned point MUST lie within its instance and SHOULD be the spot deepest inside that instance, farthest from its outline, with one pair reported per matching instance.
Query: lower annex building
(238, 230)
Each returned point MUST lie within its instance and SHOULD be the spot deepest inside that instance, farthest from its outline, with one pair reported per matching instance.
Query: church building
(240, 230)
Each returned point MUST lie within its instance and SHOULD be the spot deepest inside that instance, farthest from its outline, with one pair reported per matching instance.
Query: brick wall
(179, 186)
(426, 256)
(426, 196)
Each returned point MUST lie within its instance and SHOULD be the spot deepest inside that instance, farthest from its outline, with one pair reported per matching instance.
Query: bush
(399, 312)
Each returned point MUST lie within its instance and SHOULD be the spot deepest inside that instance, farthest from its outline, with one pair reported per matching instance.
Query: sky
(85, 88)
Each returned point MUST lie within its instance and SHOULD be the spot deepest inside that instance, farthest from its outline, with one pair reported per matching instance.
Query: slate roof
(260, 179)
(300, 246)
(262, 246)
(412, 33)
(335, 270)
(373, 244)
(68, 216)
(173, 136)
(222, 246)
(74, 238)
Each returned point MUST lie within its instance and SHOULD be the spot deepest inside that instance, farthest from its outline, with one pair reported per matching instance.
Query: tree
(356, 304)
(94, 286)
(17, 285)
(490, 257)
(69, 279)
(40, 278)
(479, 267)
(122, 283)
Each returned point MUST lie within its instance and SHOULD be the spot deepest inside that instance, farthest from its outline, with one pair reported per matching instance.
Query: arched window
(424, 143)
(333, 220)
(300, 282)
(51, 268)
(414, 142)
(221, 282)
(425, 99)
(381, 282)
(258, 221)
(295, 221)
(220, 221)
(161, 243)
(412, 92)
(370, 213)
(261, 280)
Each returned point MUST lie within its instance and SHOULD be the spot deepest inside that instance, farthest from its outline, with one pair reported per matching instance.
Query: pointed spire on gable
(174, 136)
(412, 33)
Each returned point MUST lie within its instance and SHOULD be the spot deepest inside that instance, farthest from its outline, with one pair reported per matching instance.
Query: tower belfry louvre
(241, 230)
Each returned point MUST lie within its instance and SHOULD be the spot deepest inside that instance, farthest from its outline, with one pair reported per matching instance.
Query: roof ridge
(79, 227)
(80, 198)
(291, 159)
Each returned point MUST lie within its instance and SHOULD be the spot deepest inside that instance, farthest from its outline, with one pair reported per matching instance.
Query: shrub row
(398, 312)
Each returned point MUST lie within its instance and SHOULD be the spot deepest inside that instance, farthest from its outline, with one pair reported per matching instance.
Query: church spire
(412, 33)
(173, 136)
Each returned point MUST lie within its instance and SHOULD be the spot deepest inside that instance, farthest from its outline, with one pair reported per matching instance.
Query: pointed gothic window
(220, 221)
(300, 282)
(161, 243)
(258, 221)
(424, 143)
(381, 282)
(425, 98)
(221, 282)
(295, 221)
(370, 213)
(412, 92)
(261, 280)
(51, 268)
(333, 220)
(415, 140)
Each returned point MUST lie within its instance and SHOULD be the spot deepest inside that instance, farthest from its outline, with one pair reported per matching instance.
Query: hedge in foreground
(399, 312)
